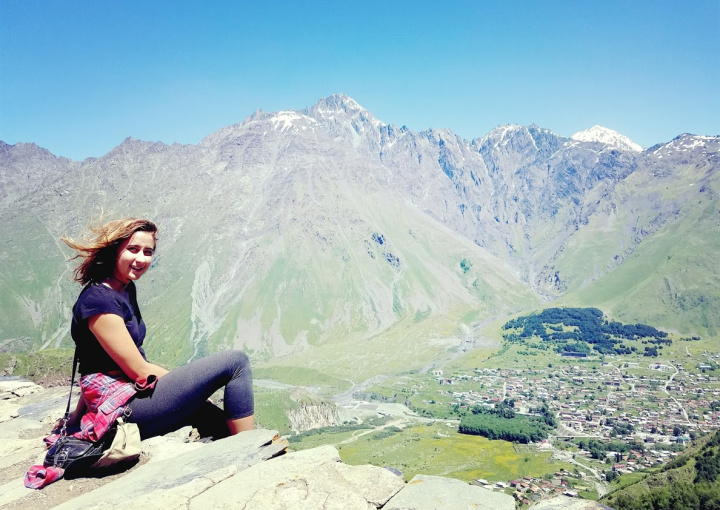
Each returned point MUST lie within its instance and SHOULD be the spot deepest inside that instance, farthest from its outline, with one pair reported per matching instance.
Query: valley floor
(652, 406)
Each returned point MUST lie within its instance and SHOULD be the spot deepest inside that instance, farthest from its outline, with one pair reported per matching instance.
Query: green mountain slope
(690, 482)
(651, 254)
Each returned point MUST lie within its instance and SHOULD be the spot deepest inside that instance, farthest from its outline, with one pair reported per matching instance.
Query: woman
(116, 378)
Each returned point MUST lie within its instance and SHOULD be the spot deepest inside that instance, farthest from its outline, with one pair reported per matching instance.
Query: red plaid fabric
(38, 477)
(105, 396)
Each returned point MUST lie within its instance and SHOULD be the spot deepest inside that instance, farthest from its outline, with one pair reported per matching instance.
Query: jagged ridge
(271, 230)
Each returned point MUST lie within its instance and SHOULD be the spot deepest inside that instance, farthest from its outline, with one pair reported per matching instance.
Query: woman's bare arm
(112, 334)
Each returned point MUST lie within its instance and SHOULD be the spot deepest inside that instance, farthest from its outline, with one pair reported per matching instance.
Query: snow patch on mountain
(688, 143)
(499, 135)
(285, 120)
(607, 137)
(339, 106)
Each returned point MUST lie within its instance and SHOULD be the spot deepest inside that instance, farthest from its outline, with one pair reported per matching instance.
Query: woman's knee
(239, 360)
(238, 356)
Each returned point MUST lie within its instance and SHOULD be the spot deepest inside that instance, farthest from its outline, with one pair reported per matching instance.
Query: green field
(437, 449)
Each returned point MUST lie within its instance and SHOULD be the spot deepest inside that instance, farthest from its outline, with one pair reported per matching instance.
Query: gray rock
(172, 483)
(46, 407)
(11, 388)
(165, 447)
(12, 491)
(26, 411)
(308, 479)
(425, 492)
(14, 450)
(184, 434)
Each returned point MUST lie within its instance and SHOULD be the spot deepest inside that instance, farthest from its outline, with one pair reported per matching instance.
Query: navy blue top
(96, 299)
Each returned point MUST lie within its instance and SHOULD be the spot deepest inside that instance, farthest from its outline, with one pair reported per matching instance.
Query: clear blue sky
(77, 77)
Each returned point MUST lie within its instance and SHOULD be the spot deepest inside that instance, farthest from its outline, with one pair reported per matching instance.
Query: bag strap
(63, 431)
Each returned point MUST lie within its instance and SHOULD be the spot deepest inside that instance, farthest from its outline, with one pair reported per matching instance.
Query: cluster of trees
(546, 415)
(620, 428)
(587, 327)
(337, 429)
(650, 351)
(598, 449)
(386, 432)
(611, 475)
(707, 466)
(680, 430)
(689, 339)
(347, 426)
(501, 422)
(707, 463)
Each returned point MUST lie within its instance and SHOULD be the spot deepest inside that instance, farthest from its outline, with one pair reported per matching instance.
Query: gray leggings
(180, 397)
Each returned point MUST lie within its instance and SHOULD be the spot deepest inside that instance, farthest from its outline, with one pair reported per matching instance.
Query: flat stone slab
(425, 492)
(172, 483)
(306, 480)
(45, 406)
(11, 388)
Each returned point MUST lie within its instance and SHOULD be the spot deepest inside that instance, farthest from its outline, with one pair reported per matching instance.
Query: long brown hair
(99, 251)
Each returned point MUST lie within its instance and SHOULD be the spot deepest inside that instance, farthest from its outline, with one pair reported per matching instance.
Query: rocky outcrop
(252, 470)
(440, 493)
(312, 413)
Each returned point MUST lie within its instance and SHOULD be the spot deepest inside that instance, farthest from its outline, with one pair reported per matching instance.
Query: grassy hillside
(34, 281)
(650, 255)
(438, 450)
(691, 481)
(371, 296)
(48, 368)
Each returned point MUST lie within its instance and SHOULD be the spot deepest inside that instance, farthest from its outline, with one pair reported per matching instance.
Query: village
(529, 489)
(654, 399)
(655, 408)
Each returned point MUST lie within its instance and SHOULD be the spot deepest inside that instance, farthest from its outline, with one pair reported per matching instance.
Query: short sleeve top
(96, 299)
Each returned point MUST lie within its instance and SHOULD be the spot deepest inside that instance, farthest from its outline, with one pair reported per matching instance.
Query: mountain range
(327, 233)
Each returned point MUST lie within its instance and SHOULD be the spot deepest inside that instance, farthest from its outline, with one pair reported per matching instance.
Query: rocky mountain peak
(442, 136)
(132, 145)
(26, 166)
(337, 103)
(512, 138)
(687, 141)
(291, 119)
(607, 136)
(21, 149)
(500, 133)
(340, 106)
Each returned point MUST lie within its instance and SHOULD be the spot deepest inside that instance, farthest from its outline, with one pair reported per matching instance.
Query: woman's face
(134, 256)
